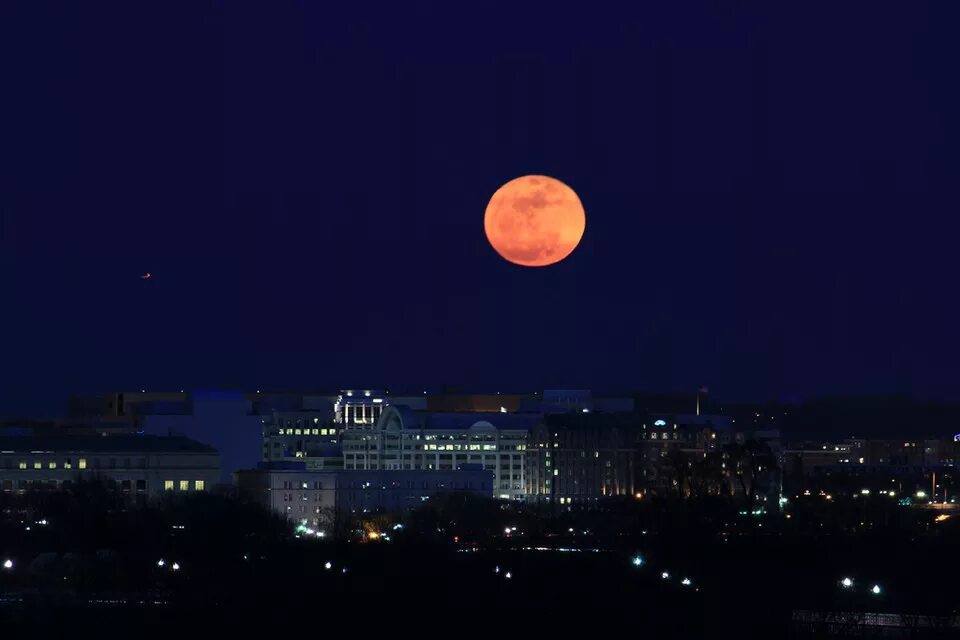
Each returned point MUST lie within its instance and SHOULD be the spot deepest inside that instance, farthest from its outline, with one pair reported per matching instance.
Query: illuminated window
(184, 485)
(37, 464)
(199, 485)
(289, 432)
(168, 485)
(82, 463)
(52, 464)
(68, 463)
(316, 432)
(323, 432)
(296, 432)
(23, 464)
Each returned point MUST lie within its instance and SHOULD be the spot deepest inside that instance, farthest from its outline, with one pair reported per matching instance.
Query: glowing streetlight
(8, 564)
(328, 566)
(161, 562)
(665, 575)
(175, 566)
(876, 590)
(847, 583)
(508, 575)
(686, 582)
(637, 561)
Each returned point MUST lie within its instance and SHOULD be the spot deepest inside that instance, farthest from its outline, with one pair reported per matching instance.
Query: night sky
(771, 197)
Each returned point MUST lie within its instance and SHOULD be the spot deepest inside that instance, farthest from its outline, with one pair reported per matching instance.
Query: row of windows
(198, 485)
(305, 432)
(66, 463)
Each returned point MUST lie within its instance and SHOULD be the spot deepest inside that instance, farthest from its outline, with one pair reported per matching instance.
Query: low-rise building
(319, 498)
(138, 465)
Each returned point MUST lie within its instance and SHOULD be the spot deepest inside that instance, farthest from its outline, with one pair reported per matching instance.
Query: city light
(921, 494)
(847, 583)
(665, 575)
(686, 582)
(865, 492)
(496, 569)
(161, 562)
(328, 566)
(508, 575)
(875, 590)
(637, 561)
(8, 564)
(175, 566)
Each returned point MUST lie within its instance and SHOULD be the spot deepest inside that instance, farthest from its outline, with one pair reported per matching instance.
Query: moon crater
(534, 221)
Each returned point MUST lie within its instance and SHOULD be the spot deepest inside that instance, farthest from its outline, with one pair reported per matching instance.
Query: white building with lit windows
(136, 465)
(359, 408)
(403, 439)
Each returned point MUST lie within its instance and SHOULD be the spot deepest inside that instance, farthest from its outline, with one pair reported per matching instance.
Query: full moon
(534, 221)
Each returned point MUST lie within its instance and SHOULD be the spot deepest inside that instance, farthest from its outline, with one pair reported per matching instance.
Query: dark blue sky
(771, 196)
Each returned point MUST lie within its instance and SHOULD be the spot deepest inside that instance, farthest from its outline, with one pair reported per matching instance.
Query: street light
(847, 583)
(665, 575)
(637, 561)
(8, 564)
(876, 590)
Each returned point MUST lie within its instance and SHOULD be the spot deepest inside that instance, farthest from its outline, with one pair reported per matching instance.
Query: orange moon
(534, 221)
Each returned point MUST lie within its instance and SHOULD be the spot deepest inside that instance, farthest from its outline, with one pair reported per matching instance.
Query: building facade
(580, 457)
(406, 440)
(318, 498)
(137, 465)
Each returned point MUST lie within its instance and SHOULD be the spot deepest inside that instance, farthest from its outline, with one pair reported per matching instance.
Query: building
(404, 439)
(305, 431)
(692, 436)
(358, 408)
(578, 457)
(319, 498)
(139, 465)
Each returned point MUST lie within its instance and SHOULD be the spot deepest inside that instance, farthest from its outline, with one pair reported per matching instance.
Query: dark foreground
(754, 587)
